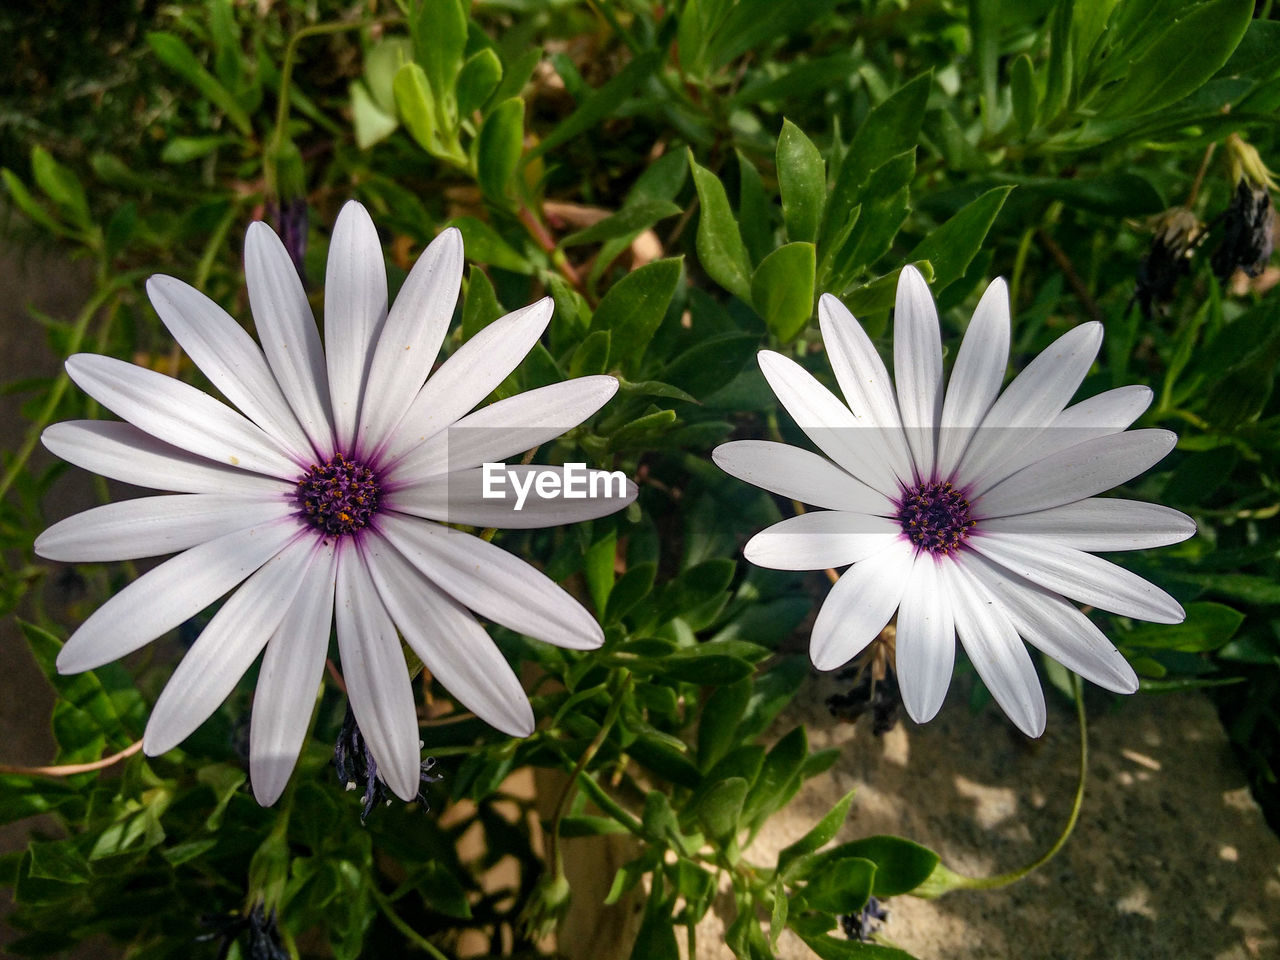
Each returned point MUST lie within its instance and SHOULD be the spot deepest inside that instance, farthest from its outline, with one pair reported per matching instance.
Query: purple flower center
(339, 497)
(935, 517)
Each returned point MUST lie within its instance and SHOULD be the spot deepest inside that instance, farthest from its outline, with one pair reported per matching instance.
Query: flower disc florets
(339, 496)
(935, 517)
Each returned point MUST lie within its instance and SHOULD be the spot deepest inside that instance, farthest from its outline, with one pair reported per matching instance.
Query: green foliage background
(778, 151)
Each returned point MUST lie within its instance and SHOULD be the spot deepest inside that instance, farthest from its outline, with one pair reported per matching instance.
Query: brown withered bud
(1178, 234)
(1248, 226)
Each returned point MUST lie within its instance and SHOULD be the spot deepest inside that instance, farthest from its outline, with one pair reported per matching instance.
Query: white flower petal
(799, 475)
(1029, 404)
(376, 675)
(468, 376)
(227, 647)
(925, 644)
(495, 584)
(407, 347)
(865, 383)
(452, 646)
(459, 497)
(508, 427)
(152, 526)
(176, 590)
(1053, 625)
(975, 377)
(1100, 416)
(995, 649)
(1075, 473)
(816, 541)
(1080, 576)
(859, 606)
(227, 355)
(355, 308)
(123, 452)
(828, 422)
(290, 676)
(1100, 524)
(178, 413)
(287, 329)
(917, 367)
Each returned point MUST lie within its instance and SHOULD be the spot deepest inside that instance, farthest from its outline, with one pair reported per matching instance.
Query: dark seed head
(339, 497)
(935, 517)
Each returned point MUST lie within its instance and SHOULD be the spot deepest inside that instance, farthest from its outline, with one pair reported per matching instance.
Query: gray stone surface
(1171, 858)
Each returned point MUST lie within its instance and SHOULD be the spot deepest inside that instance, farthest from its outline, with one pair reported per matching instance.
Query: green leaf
(749, 24)
(952, 247)
(174, 53)
(634, 307)
(1022, 84)
(984, 26)
(186, 149)
(843, 886)
(720, 249)
(1060, 76)
(589, 826)
(631, 219)
(831, 948)
(372, 124)
(59, 860)
(891, 129)
(602, 103)
(485, 245)
(632, 587)
(802, 180)
(60, 185)
(1182, 59)
(1208, 626)
(821, 834)
(711, 364)
(29, 205)
(439, 31)
(720, 807)
(755, 212)
(879, 293)
(498, 147)
(417, 109)
(782, 289)
(782, 765)
(480, 307)
(477, 81)
(592, 355)
(442, 892)
(665, 761)
(717, 729)
(901, 865)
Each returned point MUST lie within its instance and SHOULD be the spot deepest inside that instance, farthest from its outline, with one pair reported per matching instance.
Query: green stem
(944, 881)
(45, 417)
(619, 691)
(397, 921)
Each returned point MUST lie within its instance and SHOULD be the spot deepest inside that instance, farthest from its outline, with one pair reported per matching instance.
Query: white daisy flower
(327, 499)
(968, 513)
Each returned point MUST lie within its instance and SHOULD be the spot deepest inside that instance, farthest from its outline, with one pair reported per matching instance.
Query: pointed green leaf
(802, 180)
(480, 76)
(174, 53)
(720, 807)
(821, 834)
(782, 289)
(498, 147)
(60, 185)
(720, 249)
(953, 245)
(1022, 84)
(634, 307)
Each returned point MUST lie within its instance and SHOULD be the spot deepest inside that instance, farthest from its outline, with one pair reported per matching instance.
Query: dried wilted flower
(1248, 229)
(1178, 234)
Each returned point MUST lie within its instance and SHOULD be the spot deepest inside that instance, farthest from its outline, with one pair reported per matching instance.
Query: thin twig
(1069, 271)
(71, 769)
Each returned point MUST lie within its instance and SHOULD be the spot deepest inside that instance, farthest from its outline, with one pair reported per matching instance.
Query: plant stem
(71, 769)
(944, 880)
(397, 921)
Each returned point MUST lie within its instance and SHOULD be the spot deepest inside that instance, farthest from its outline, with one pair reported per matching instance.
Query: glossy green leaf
(842, 886)
(634, 307)
(951, 247)
(717, 728)
(782, 289)
(822, 833)
(174, 53)
(592, 355)
(721, 252)
(901, 865)
(417, 108)
(802, 181)
(477, 81)
(498, 147)
(626, 222)
(1022, 84)
(1208, 626)
(832, 948)
(721, 805)
(711, 364)
(485, 245)
(1187, 53)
